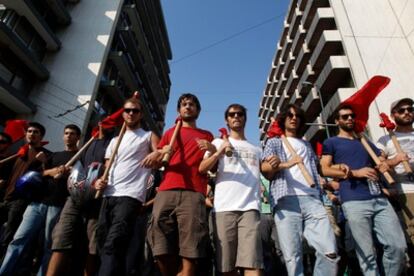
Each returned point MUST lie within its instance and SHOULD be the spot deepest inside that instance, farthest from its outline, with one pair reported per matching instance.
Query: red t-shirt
(182, 171)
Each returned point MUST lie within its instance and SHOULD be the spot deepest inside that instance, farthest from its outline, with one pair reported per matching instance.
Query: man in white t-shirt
(297, 207)
(236, 217)
(403, 115)
(124, 190)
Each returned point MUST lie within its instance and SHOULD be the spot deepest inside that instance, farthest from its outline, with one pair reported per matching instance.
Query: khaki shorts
(70, 222)
(237, 240)
(179, 224)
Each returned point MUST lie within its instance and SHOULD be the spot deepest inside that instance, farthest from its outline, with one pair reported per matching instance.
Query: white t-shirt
(407, 144)
(238, 178)
(296, 182)
(126, 178)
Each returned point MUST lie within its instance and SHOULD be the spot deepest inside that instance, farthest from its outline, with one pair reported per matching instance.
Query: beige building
(330, 48)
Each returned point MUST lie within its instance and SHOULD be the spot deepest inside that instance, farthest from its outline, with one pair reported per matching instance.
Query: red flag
(319, 148)
(274, 130)
(109, 122)
(362, 99)
(386, 122)
(223, 133)
(16, 129)
(25, 148)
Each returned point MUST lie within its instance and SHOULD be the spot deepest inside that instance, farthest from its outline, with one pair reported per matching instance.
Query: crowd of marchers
(186, 203)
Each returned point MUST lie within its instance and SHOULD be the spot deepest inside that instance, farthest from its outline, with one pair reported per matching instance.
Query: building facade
(74, 62)
(328, 49)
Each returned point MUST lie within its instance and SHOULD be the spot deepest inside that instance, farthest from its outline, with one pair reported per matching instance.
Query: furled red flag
(274, 130)
(16, 129)
(223, 133)
(25, 148)
(318, 149)
(362, 99)
(109, 122)
(386, 122)
(113, 120)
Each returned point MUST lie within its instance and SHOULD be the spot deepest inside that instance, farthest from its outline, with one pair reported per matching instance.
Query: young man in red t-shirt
(179, 226)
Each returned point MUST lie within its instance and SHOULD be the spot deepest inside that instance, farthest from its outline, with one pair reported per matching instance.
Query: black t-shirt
(95, 152)
(55, 191)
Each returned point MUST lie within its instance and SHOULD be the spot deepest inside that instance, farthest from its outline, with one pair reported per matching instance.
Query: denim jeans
(36, 216)
(376, 216)
(304, 216)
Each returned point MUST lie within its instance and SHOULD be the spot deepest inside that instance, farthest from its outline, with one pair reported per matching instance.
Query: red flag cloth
(25, 148)
(111, 121)
(223, 133)
(16, 129)
(319, 148)
(362, 99)
(274, 130)
(386, 122)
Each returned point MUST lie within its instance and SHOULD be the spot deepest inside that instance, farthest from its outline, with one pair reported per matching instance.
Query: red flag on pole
(25, 148)
(109, 122)
(362, 99)
(274, 130)
(16, 129)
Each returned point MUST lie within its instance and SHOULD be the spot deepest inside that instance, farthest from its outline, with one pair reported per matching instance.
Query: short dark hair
(239, 106)
(37, 125)
(74, 127)
(189, 96)
(281, 117)
(339, 108)
(133, 100)
(6, 137)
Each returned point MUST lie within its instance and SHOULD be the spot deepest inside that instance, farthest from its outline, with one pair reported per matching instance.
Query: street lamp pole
(318, 91)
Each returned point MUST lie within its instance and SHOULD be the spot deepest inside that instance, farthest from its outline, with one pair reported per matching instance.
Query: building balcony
(279, 68)
(277, 55)
(296, 98)
(310, 10)
(324, 20)
(289, 65)
(14, 43)
(302, 59)
(112, 92)
(286, 49)
(315, 132)
(291, 10)
(60, 12)
(292, 82)
(26, 9)
(283, 36)
(298, 40)
(297, 15)
(271, 74)
(120, 60)
(330, 44)
(14, 99)
(307, 76)
(312, 104)
(302, 4)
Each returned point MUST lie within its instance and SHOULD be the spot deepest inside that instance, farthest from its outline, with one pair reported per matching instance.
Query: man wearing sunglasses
(297, 207)
(236, 211)
(125, 189)
(369, 214)
(403, 115)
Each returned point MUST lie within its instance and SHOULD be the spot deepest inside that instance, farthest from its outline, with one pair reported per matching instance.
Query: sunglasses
(346, 116)
(133, 110)
(403, 109)
(290, 115)
(238, 113)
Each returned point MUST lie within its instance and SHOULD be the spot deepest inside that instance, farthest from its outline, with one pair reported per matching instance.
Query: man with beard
(297, 207)
(236, 211)
(34, 160)
(124, 191)
(403, 115)
(42, 213)
(369, 214)
(178, 230)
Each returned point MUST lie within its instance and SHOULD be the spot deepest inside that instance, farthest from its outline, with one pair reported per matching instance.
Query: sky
(222, 52)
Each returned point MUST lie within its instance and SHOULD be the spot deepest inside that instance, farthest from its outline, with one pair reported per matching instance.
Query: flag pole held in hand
(228, 151)
(167, 156)
(276, 131)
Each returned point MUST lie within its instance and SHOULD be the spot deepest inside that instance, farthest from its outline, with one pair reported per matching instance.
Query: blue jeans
(305, 216)
(376, 216)
(36, 216)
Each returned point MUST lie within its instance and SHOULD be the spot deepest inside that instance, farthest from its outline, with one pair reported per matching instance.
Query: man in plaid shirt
(297, 208)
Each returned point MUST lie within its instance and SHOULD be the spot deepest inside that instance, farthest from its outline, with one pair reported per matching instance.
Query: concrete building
(328, 49)
(71, 61)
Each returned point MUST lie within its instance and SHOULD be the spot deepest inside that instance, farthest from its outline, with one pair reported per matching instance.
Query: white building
(331, 48)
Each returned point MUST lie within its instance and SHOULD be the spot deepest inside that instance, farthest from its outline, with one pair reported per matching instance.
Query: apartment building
(328, 49)
(71, 61)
